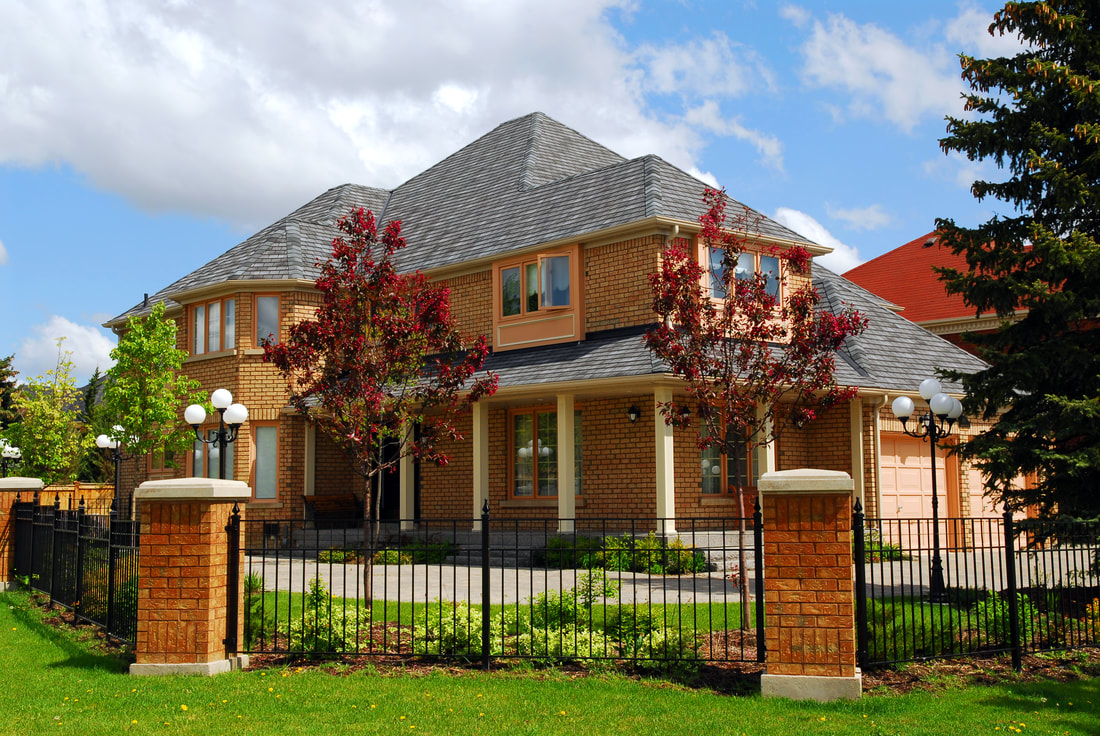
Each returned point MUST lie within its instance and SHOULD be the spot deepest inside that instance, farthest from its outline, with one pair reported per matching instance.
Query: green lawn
(53, 683)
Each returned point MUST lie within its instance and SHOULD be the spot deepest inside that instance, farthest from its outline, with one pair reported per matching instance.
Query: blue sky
(139, 140)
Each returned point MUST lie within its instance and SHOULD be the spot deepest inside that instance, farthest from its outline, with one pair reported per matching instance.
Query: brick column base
(182, 574)
(809, 603)
(10, 488)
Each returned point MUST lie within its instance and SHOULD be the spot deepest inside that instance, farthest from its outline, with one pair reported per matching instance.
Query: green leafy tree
(1037, 117)
(50, 433)
(8, 413)
(146, 389)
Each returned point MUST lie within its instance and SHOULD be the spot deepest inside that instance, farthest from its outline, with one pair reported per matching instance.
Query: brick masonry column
(10, 488)
(809, 608)
(182, 574)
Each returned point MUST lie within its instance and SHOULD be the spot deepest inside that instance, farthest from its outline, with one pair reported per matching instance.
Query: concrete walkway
(426, 583)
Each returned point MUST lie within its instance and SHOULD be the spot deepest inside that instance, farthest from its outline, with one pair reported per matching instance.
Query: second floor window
(540, 283)
(747, 265)
(213, 326)
(267, 319)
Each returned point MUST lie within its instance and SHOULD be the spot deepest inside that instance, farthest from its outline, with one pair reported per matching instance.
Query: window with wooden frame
(205, 456)
(537, 298)
(159, 464)
(265, 316)
(265, 461)
(748, 264)
(213, 326)
(533, 449)
(723, 473)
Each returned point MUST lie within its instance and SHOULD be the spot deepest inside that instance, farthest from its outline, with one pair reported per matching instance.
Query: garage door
(906, 485)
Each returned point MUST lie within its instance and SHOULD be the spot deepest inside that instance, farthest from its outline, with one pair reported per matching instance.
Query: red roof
(905, 277)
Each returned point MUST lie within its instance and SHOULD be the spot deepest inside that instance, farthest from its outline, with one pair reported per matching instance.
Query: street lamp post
(934, 425)
(114, 444)
(233, 415)
(9, 454)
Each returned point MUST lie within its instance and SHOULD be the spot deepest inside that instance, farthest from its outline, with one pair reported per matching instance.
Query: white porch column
(406, 487)
(666, 475)
(310, 464)
(567, 491)
(765, 455)
(481, 459)
(855, 429)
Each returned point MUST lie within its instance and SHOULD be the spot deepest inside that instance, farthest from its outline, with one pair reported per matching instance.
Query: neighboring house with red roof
(904, 278)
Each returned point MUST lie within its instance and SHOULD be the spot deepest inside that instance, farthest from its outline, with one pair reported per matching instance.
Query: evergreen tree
(1038, 266)
(8, 414)
(96, 465)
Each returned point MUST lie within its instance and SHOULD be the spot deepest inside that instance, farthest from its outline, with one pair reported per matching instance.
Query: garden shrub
(392, 557)
(569, 642)
(669, 649)
(323, 627)
(904, 630)
(994, 622)
(563, 553)
(454, 629)
(257, 618)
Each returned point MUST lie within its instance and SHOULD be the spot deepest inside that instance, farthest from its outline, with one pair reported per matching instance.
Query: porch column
(481, 460)
(24, 488)
(765, 455)
(567, 487)
(310, 464)
(407, 487)
(666, 475)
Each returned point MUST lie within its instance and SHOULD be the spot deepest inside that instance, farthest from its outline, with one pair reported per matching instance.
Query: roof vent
(145, 302)
(929, 243)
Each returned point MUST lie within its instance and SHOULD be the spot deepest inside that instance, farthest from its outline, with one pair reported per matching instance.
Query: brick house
(535, 203)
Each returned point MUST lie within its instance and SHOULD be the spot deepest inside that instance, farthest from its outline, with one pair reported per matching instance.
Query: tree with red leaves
(753, 350)
(381, 356)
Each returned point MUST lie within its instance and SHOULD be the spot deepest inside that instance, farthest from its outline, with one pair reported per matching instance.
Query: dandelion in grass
(134, 721)
(183, 707)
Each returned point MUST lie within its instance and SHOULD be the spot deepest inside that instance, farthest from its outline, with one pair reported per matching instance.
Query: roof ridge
(651, 185)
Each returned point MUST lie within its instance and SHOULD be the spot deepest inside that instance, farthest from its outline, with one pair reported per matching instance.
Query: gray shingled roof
(893, 354)
(531, 180)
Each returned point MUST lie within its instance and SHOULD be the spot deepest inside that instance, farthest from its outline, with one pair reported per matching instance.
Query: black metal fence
(654, 593)
(85, 562)
(1010, 586)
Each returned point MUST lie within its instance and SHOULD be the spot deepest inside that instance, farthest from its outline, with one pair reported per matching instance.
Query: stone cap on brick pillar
(198, 489)
(805, 480)
(21, 484)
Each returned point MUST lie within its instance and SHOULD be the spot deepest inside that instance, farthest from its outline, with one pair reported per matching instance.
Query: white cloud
(885, 76)
(709, 117)
(705, 67)
(796, 14)
(959, 170)
(969, 32)
(843, 257)
(861, 218)
(90, 347)
(217, 110)
(3, 254)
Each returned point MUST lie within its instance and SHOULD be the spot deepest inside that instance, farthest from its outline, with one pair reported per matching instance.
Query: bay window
(541, 283)
(213, 326)
(267, 320)
(265, 444)
(204, 459)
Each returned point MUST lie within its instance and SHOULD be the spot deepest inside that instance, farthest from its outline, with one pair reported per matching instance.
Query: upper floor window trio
(748, 264)
(213, 326)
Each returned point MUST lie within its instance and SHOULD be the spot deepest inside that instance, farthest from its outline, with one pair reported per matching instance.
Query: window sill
(534, 503)
(721, 500)
(263, 503)
(210, 356)
(252, 351)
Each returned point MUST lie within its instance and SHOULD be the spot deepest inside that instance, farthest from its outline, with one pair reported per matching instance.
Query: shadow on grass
(77, 644)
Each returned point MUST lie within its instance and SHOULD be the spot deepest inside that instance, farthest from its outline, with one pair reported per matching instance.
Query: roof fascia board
(234, 286)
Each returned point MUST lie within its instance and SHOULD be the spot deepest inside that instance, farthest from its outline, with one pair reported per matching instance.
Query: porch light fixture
(685, 413)
(633, 412)
(229, 413)
(9, 454)
(112, 443)
(935, 424)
